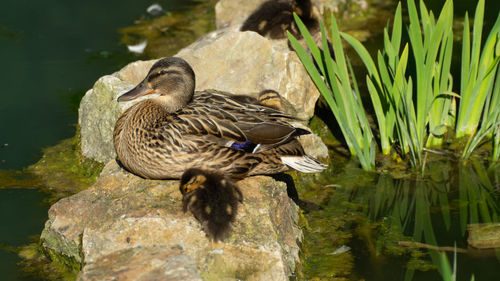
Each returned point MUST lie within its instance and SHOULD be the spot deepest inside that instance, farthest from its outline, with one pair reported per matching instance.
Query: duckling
(163, 136)
(212, 198)
(273, 18)
(268, 97)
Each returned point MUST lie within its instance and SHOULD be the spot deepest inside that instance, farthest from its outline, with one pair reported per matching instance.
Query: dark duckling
(161, 137)
(269, 98)
(273, 18)
(212, 198)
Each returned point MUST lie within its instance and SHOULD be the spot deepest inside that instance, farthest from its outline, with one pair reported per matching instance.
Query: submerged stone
(484, 235)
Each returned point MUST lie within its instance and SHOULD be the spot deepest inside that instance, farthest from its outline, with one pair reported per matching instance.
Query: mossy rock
(63, 171)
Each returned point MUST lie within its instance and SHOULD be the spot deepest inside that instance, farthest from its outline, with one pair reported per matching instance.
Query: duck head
(172, 78)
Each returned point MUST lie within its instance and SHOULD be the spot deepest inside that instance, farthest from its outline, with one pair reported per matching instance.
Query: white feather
(304, 164)
(256, 148)
(139, 48)
(155, 9)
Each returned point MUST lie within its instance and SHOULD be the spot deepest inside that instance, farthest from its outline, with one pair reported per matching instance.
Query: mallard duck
(178, 129)
(212, 198)
(273, 18)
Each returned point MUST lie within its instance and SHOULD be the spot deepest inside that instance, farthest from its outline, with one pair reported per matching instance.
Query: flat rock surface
(128, 228)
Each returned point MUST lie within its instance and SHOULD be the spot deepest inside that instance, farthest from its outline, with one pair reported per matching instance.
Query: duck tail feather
(304, 164)
(300, 132)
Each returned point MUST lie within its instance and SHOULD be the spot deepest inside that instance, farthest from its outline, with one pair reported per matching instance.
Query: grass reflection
(433, 211)
(476, 201)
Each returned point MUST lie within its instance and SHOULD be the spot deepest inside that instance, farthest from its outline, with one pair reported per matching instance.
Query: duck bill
(138, 91)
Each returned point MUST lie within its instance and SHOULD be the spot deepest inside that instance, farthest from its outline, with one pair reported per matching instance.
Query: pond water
(23, 214)
(52, 52)
(55, 50)
(381, 227)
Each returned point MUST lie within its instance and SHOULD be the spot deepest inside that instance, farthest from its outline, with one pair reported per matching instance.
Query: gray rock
(142, 263)
(226, 60)
(124, 227)
(234, 12)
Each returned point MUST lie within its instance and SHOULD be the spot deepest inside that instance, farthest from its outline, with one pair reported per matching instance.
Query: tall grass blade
(478, 74)
(333, 81)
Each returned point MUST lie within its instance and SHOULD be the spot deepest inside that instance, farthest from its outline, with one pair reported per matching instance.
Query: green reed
(478, 72)
(480, 88)
(410, 114)
(414, 106)
(333, 80)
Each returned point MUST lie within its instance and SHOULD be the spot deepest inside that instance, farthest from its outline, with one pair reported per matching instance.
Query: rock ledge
(127, 228)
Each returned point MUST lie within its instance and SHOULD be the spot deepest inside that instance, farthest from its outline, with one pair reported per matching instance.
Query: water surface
(52, 53)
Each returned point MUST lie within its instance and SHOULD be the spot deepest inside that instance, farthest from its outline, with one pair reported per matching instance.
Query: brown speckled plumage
(160, 138)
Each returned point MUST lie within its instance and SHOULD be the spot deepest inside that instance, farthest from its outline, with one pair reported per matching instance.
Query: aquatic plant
(480, 86)
(478, 72)
(406, 113)
(333, 79)
(447, 272)
(414, 106)
(431, 43)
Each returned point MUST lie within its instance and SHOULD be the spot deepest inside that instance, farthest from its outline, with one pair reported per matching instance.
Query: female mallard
(212, 198)
(161, 137)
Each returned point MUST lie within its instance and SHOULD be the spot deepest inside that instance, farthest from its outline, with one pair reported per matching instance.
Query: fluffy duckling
(178, 129)
(273, 18)
(213, 200)
(269, 98)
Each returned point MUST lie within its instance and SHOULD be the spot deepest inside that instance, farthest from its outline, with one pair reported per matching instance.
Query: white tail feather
(304, 164)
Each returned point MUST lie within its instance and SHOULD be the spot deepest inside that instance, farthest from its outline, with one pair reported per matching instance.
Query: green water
(369, 214)
(23, 214)
(52, 52)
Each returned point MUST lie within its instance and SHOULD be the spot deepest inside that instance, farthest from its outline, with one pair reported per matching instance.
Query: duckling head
(172, 78)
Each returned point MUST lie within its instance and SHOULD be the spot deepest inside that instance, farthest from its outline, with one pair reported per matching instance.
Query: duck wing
(220, 116)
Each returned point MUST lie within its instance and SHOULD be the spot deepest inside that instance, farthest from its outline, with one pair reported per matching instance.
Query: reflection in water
(434, 211)
(476, 201)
